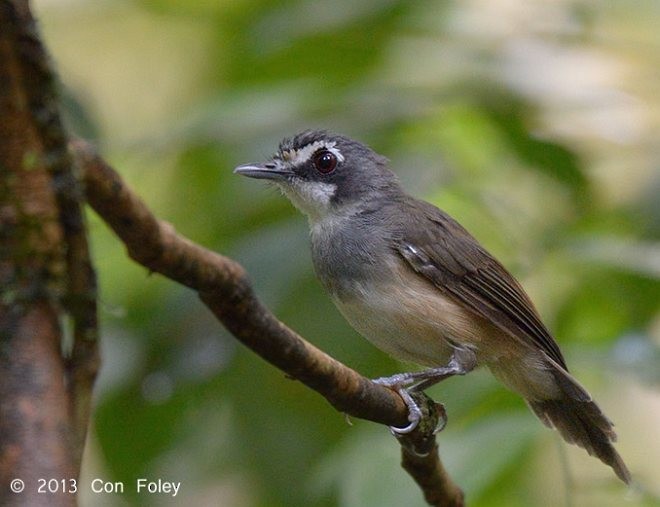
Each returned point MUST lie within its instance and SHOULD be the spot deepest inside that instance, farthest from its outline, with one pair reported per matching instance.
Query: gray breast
(350, 249)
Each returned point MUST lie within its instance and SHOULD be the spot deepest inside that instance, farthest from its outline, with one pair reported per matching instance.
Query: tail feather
(580, 421)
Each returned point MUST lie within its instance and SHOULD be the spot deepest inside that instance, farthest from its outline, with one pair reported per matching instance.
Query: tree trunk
(45, 278)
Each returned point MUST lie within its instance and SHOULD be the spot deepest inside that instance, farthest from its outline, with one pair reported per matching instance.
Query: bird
(414, 282)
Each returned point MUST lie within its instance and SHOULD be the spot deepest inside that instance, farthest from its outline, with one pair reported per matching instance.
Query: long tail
(580, 421)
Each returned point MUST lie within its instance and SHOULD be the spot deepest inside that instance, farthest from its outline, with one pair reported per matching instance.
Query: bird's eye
(325, 161)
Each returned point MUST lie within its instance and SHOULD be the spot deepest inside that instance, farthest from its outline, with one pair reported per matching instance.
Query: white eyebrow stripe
(297, 157)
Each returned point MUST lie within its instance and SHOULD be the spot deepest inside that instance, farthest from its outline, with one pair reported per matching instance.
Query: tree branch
(223, 286)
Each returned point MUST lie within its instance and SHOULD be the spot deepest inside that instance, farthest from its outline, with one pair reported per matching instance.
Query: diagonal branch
(223, 286)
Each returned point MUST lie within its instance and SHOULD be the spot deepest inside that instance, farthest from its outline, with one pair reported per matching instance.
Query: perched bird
(415, 283)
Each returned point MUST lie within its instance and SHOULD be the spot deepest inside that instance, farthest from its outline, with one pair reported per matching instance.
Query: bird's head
(323, 173)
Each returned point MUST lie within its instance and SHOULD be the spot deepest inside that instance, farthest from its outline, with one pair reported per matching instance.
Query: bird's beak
(264, 171)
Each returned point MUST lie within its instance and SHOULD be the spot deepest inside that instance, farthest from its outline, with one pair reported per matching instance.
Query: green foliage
(467, 127)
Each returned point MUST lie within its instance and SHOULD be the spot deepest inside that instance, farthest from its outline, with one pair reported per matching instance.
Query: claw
(442, 418)
(414, 413)
(405, 430)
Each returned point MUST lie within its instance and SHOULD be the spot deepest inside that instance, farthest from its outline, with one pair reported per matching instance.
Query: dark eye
(325, 161)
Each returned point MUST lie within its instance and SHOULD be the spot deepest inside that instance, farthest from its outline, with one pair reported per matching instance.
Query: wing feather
(447, 255)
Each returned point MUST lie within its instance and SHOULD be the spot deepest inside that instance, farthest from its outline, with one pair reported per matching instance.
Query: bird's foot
(462, 361)
(398, 383)
(414, 412)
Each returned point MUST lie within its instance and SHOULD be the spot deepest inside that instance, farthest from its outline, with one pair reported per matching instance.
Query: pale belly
(411, 321)
(418, 323)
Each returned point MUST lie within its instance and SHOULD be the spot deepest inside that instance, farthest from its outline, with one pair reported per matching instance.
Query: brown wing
(447, 255)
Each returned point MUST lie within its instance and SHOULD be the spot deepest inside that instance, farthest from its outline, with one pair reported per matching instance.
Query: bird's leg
(462, 361)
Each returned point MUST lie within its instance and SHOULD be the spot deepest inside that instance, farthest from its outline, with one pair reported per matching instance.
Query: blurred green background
(533, 123)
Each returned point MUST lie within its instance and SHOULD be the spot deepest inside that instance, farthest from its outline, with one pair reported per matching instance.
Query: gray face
(322, 173)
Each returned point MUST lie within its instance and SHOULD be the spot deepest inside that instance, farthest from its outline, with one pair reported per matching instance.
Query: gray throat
(351, 246)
